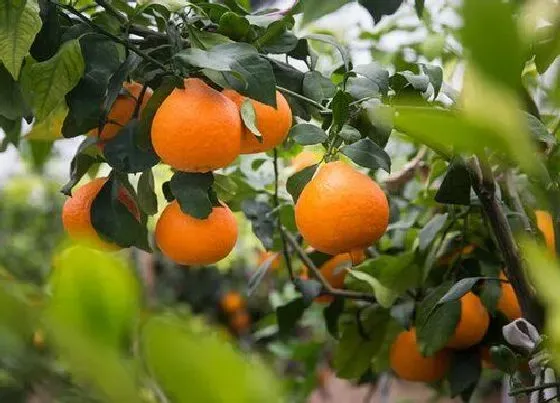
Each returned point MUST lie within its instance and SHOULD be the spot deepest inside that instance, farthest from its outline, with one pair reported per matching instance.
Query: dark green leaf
(297, 181)
(307, 134)
(419, 7)
(362, 88)
(436, 324)
(262, 221)
(85, 158)
(504, 358)
(405, 80)
(459, 289)
(147, 198)
(490, 290)
(12, 103)
(456, 185)
(366, 153)
(233, 26)
(123, 153)
(167, 193)
(288, 315)
(192, 192)
(379, 8)
(547, 46)
(40, 151)
(225, 187)
(12, 132)
(353, 353)
(308, 288)
(249, 117)
(499, 55)
(331, 314)
(464, 372)
(430, 230)
(340, 110)
(539, 131)
(47, 41)
(113, 221)
(284, 43)
(349, 134)
(332, 41)
(395, 272)
(435, 75)
(314, 9)
(376, 74)
(317, 87)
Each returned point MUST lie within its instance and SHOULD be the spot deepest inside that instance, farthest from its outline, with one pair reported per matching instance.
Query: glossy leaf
(12, 102)
(459, 289)
(430, 230)
(147, 199)
(192, 191)
(249, 117)
(464, 372)
(297, 181)
(366, 153)
(307, 134)
(317, 87)
(288, 315)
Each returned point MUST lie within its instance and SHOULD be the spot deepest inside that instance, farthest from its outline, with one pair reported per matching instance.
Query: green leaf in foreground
(192, 191)
(297, 181)
(249, 117)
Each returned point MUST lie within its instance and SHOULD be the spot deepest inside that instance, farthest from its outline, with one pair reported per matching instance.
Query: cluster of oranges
(196, 129)
(234, 307)
(407, 361)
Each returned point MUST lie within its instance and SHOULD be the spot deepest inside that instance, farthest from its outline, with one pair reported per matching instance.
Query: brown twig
(328, 289)
(396, 180)
(485, 188)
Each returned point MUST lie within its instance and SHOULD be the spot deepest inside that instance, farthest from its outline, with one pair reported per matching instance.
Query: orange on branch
(190, 241)
(472, 325)
(122, 110)
(197, 129)
(232, 302)
(341, 209)
(508, 303)
(409, 364)
(76, 213)
(273, 123)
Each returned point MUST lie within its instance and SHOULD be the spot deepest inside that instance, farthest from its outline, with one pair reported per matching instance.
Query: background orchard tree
(459, 130)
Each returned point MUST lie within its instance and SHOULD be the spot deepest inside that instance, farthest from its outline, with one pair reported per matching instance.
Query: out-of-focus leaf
(456, 185)
(314, 9)
(430, 230)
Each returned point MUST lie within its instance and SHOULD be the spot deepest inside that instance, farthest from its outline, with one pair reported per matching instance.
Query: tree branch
(327, 288)
(305, 99)
(485, 188)
(398, 179)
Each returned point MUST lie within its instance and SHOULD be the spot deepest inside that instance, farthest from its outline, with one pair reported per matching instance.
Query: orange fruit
(232, 301)
(508, 303)
(341, 209)
(39, 339)
(189, 241)
(197, 129)
(334, 270)
(449, 257)
(265, 255)
(76, 213)
(240, 321)
(409, 364)
(305, 159)
(473, 323)
(546, 226)
(273, 123)
(122, 110)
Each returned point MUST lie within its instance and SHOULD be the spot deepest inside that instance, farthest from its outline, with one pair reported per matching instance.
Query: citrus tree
(412, 201)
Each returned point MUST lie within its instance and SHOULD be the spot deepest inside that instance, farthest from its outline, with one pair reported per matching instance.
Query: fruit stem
(303, 98)
(485, 188)
(327, 288)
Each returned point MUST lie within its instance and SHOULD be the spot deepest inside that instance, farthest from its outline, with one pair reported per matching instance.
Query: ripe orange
(197, 129)
(240, 321)
(122, 110)
(265, 255)
(334, 270)
(451, 256)
(473, 323)
(273, 123)
(341, 209)
(407, 362)
(190, 241)
(508, 303)
(546, 226)
(76, 213)
(232, 302)
(304, 160)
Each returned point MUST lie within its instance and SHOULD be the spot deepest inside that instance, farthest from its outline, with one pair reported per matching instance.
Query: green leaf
(262, 221)
(309, 289)
(147, 199)
(436, 324)
(165, 343)
(297, 181)
(362, 88)
(376, 74)
(464, 372)
(40, 151)
(459, 289)
(48, 82)
(192, 191)
(124, 154)
(233, 26)
(456, 185)
(86, 156)
(395, 272)
(315, 9)
(307, 134)
(19, 23)
(379, 8)
(430, 230)
(332, 41)
(331, 314)
(419, 7)
(12, 103)
(499, 55)
(349, 134)
(317, 87)
(504, 359)
(539, 131)
(112, 219)
(247, 71)
(353, 353)
(366, 153)
(340, 110)
(435, 75)
(288, 315)
(225, 187)
(283, 43)
(249, 117)
(384, 295)
(405, 80)
(547, 46)
(12, 132)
